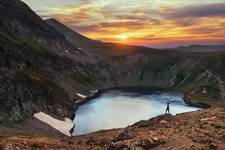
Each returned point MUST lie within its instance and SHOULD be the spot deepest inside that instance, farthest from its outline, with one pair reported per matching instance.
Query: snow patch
(94, 91)
(81, 95)
(62, 126)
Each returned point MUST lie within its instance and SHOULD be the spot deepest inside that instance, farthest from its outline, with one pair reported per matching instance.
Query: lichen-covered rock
(124, 135)
(151, 143)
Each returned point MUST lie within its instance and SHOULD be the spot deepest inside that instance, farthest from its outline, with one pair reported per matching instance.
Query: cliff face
(26, 84)
(41, 68)
(35, 71)
(199, 76)
(195, 70)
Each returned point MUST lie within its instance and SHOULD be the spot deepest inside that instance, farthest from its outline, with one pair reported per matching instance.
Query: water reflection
(117, 109)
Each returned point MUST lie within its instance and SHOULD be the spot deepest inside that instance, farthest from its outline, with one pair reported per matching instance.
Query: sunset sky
(153, 23)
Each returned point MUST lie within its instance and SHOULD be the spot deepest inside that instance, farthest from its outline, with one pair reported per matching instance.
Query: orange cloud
(146, 23)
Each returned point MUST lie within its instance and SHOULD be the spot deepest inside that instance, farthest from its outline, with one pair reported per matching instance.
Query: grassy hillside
(35, 79)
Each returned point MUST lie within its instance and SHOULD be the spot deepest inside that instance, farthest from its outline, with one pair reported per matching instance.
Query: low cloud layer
(208, 10)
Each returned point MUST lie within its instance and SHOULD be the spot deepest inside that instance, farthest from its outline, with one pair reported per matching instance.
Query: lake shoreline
(101, 91)
(138, 89)
(142, 90)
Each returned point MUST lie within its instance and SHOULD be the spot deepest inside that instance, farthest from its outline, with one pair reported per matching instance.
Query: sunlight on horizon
(122, 37)
(163, 23)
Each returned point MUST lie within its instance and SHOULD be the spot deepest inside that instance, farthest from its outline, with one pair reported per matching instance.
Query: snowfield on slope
(62, 126)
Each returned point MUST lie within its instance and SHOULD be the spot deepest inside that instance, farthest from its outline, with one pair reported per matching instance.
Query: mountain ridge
(94, 47)
(200, 48)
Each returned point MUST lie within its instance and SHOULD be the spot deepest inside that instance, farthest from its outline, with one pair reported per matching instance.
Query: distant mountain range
(43, 64)
(200, 48)
(87, 43)
(93, 47)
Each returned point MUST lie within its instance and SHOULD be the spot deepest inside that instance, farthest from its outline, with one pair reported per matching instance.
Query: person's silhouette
(168, 108)
(72, 130)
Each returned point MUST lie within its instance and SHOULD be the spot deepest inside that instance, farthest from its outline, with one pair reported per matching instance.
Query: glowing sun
(122, 37)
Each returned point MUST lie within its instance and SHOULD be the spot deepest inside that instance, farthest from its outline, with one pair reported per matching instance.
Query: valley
(47, 67)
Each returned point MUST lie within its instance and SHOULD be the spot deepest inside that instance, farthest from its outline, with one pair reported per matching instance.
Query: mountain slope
(36, 74)
(18, 20)
(41, 69)
(187, 70)
(30, 81)
(72, 36)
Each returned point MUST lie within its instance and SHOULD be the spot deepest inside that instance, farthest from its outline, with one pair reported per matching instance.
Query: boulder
(125, 135)
(213, 146)
(208, 119)
(151, 143)
(164, 122)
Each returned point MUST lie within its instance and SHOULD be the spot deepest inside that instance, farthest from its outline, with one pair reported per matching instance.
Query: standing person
(72, 130)
(168, 108)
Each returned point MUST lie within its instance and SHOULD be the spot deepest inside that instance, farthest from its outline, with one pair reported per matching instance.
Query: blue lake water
(118, 109)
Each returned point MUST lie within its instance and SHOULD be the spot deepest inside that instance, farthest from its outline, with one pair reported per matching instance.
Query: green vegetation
(208, 93)
(212, 86)
(34, 46)
(7, 43)
(205, 99)
(83, 79)
(160, 64)
(180, 76)
(33, 75)
(69, 90)
(1, 146)
(37, 146)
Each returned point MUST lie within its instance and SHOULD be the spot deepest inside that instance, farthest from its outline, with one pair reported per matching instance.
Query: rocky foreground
(203, 129)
